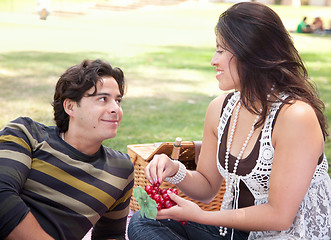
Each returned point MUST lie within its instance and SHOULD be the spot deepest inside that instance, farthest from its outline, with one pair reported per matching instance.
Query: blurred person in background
(317, 25)
(303, 27)
(43, 8)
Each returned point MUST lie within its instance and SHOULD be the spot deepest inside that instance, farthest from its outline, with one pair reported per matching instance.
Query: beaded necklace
(223, 230)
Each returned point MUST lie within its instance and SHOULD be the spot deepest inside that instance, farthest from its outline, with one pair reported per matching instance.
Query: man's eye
(119, 101)
(103, 99)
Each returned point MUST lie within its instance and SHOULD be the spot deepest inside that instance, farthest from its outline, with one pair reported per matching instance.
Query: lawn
(165, 53)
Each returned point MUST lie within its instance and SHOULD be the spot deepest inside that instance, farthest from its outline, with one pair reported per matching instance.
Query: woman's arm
(204, 183)
(298, 143)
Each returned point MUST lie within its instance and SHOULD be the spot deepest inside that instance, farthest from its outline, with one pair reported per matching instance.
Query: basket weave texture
(141, 154)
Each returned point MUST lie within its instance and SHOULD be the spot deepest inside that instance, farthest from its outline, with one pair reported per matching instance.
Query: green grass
(164, 52)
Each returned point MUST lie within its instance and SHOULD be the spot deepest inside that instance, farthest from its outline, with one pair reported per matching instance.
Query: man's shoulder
(115, 156)
(115, 153)
(21, 124)
(27, 122)
(26, 127)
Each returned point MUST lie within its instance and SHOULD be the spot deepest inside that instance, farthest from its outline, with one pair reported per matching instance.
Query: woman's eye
(119, 101)
(103, 99)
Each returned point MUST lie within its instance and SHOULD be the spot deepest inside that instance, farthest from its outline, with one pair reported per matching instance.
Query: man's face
(97, 117)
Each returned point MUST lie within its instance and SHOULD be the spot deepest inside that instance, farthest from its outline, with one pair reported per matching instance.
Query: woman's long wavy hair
(266, 58)
(78, 79)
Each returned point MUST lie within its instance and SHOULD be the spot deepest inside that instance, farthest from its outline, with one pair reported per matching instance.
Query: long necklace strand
(227, 199)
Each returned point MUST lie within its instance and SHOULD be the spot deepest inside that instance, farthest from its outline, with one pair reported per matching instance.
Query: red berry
(157, 198)
(163, 191)
(168, 204)
(159, 206)
(184, 223)
(165, 196)
(148, 189)
(154, 192)
(174, 191)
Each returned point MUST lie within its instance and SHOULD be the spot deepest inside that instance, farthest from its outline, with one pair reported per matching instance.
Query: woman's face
(226, 67)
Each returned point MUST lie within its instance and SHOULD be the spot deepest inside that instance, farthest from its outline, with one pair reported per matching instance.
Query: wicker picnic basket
(141, 154)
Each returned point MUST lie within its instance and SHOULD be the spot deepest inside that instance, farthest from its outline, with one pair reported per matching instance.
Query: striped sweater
(67, 191)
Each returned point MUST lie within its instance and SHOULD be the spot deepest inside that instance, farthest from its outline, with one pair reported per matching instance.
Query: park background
(163, 47)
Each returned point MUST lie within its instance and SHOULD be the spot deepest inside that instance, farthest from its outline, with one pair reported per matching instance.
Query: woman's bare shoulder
(297, 119)
(218, 101)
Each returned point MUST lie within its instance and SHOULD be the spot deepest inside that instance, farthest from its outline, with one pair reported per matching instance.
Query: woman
(268, 136)
(317, 25)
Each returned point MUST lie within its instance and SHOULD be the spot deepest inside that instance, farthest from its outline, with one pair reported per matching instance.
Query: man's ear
(69, 106)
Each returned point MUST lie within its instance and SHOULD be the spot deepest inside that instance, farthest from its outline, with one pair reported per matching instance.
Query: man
(58, 182)
(303, 27)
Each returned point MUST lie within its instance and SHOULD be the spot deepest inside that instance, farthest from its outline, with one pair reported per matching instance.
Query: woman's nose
(213, 61)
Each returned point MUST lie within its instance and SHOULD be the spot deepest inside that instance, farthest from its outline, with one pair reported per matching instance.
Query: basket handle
(197, 148)
(133, 157)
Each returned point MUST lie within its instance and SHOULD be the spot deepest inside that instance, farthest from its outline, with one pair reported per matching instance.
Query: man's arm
(16, 221)
(110, 228)
(112, 225)
(28, 229)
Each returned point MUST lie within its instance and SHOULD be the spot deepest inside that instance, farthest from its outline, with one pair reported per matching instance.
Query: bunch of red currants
(161, 197)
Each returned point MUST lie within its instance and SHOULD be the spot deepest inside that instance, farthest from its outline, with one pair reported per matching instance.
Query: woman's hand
(185, 210)
(159, 168)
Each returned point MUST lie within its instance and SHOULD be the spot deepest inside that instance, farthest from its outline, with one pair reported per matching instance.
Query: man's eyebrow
(106, 94)
(103, 94)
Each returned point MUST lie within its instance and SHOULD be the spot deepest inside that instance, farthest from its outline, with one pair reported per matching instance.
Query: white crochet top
(313, 219)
